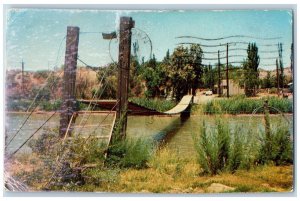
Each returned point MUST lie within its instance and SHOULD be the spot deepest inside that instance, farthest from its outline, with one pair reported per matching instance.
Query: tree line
(183, 72)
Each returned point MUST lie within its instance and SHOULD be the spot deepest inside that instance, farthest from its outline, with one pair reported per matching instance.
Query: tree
(155, 76)
(251, 73)
(107, 77)
(185, 70)
(268, 81)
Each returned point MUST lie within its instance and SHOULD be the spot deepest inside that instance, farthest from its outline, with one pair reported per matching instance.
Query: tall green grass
(129, 153)
(277, 148)
(229, 149)
(242, 105)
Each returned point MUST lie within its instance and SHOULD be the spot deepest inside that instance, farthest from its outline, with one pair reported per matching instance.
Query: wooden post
(281, 68)
(292, 61)
(22, 87)
(219, 74)
(126, 24)
(69, 100)
(227, 79)
(277, 77)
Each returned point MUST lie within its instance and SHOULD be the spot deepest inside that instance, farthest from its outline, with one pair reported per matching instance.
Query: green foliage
(210, 77)
(48, 106)
(108, 78)
(236, 152)
(41, 93)
(186, 69)
(277, 148)
(213, 148)
(46, 143)
(268, 81)
(17, 105)
(223, 148)
(154, 104)
(242, 105)
(251, 73)
(129, 153)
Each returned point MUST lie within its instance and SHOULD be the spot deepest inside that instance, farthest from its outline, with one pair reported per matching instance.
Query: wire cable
(232, 36)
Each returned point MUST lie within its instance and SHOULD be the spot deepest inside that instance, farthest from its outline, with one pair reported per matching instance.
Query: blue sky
(35, 35)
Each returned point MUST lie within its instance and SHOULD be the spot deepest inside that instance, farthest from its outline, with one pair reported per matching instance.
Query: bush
(129, 153)
(17, 105)
(46, 143)
(48, 106)
(213, 148)
(223, 148)
(277, 149)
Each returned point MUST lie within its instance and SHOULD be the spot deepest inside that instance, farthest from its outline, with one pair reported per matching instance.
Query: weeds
(223, 148)
(242, 105)
(277, 149)
(213, 148)
(129, 153)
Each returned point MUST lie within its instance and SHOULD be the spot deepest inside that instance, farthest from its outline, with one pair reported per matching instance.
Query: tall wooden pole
(292, 60)
(277, 77)
(22, 87)
(69, 100)
(219, 74)
(126, 24)
(227, 78)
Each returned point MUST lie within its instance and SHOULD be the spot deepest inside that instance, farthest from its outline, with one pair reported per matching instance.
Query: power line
(224, 44)
(223, 57)
(232, 36)
(36, 96)
(223, 51)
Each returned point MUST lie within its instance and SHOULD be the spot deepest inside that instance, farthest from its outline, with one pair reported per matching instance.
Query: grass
(169, 173)
(133, 166)
(243, 105)
(225, 149)
(154, 104)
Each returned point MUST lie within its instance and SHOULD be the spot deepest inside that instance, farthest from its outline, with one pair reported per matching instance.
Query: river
(177, 133)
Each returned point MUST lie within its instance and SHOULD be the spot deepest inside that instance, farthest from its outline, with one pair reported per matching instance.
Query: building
(234, 88)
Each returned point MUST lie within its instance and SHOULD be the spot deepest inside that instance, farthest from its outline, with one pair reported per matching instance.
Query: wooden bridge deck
(135, 109)
(181, 106)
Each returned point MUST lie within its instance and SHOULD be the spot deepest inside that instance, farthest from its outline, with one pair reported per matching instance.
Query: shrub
(213, 148)
(277, 149)
(129, 153)
(48, 106)
(236, 151)
(46, 143)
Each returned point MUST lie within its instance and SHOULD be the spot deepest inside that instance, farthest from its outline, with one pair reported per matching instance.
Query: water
(177, 133)
(94, 124)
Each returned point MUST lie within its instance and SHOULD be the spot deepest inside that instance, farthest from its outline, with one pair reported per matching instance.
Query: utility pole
(68, 107)
(22, 87)
(227, 81)
(277, 77)
(126, 24)
(219, 74)
(281, 78)
(292, 60)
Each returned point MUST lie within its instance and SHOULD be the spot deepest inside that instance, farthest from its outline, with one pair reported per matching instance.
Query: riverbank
(166, 173)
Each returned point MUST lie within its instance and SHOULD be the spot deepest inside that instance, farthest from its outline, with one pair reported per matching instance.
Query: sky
(37, 36)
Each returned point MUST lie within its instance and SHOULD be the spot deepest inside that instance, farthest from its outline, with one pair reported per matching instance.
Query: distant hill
(34, 80)
(263, 73)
